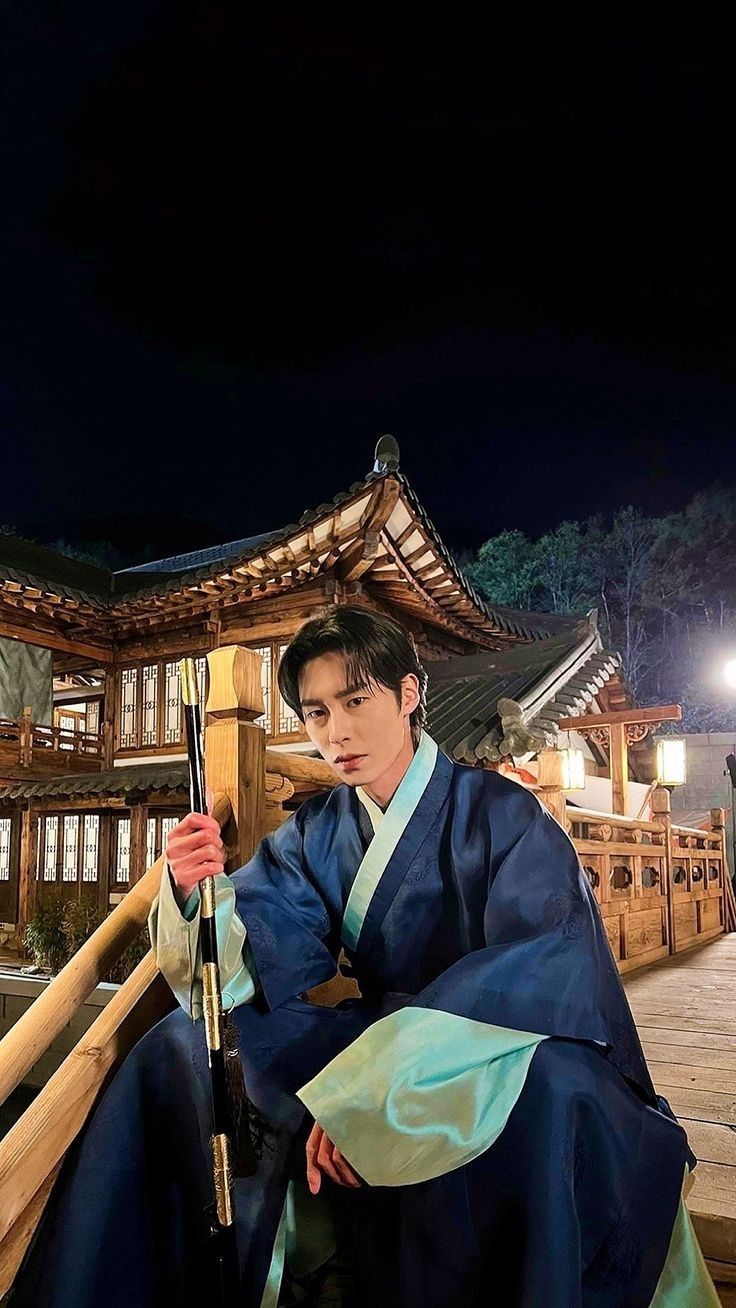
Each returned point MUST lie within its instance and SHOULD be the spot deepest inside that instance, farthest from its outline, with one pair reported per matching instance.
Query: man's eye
(312, 712)
(359, 699)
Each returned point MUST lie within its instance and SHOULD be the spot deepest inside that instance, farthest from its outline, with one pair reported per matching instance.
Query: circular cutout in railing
(649, 877)
(679, 876)
(713, 872)
(697, 873)
(592, 876)
(621, 877)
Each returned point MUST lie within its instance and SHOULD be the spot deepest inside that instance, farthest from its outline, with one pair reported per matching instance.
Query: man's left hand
(324, 1156)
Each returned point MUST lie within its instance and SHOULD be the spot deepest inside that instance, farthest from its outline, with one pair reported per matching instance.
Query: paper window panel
(167, 826)
(172, 705)
(288, 720)
(201, 668)
(91, 848)
(38, 848)
(122, 850)
(70, 852)
(149, 694)
(266, 654)
(92, 716)
(128, 706)
(152, 852)
(51, 836)
(67, 724)
(5, 848)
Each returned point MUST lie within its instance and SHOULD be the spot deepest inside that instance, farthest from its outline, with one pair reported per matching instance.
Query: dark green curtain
(26, 677)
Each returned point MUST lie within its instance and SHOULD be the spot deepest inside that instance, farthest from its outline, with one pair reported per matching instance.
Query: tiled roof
(463, 693)
(143, 778)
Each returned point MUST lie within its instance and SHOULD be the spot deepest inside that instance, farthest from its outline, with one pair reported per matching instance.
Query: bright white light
(573, 769)
(729, 673)
(671, 762)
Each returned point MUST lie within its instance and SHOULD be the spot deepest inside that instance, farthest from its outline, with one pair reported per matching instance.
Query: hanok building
(92, 767)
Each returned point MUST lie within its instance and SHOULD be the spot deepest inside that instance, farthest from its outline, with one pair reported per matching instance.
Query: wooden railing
(25, 744)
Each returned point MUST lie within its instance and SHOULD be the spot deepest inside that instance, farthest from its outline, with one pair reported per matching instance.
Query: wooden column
(104, 866)
(718, 825)
(550, 784)
(662, 812)
(107, 725)
(235, 749)
(27, 869)
(619, 767)
(138, 816)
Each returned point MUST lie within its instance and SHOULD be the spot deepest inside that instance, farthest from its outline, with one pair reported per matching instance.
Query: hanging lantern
(573, 769)
(671, 762)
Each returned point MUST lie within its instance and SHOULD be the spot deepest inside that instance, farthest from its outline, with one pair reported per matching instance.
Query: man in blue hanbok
(479, 1127)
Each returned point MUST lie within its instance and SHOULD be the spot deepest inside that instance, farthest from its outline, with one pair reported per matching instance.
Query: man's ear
(410, 691)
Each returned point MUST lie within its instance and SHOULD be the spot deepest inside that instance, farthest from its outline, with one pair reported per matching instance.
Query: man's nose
(339, 727)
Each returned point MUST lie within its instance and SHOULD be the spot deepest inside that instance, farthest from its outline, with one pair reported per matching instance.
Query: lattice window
(201, 668)
(92, 716)
(51, 837)
(39, 835)
(122, 849)
(149, 730)
(70, 851)
(288, 720)
(91, 847)
(152, 852)
(266, 653)
(5, 829)
(172, 704)
(158, 830)
(67, 723)
(128, 709)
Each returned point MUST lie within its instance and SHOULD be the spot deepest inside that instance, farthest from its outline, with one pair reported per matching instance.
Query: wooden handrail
(33, 1148)
(612, 819)
(55, 1007)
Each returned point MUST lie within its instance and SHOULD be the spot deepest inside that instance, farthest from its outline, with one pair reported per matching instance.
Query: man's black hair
(375, 647)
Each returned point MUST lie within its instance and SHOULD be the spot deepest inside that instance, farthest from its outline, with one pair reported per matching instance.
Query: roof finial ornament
(387, 454)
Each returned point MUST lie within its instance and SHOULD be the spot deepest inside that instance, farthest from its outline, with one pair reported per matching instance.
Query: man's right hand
(195, 850)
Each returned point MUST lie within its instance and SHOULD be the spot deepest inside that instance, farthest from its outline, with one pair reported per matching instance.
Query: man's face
(343, 720)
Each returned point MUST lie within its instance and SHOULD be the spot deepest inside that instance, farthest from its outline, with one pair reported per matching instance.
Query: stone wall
(17, 993)
(706, 786)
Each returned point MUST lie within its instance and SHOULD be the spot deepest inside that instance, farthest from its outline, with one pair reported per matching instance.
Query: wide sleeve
(420, 1093)
(174, 933)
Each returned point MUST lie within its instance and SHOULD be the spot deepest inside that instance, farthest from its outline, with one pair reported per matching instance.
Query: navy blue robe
(484, 912)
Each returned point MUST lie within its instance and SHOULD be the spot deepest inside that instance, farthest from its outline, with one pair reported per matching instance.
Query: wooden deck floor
(685, 1010)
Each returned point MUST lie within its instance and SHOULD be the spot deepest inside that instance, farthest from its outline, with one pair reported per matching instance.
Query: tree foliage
(664, 588)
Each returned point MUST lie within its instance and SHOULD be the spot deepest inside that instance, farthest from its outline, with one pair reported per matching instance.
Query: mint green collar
(388, 829)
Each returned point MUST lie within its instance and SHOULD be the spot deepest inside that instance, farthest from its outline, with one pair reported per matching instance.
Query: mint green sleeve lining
(420, 1093)
(685, 1281)
(174, 932)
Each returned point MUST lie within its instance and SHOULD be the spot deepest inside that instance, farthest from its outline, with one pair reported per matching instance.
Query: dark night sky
(238, 245)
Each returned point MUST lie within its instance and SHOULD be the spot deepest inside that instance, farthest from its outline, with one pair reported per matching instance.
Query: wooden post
(235, 749)
(107, 726)
(26, 738)
(550, 784)
(718, 825)
(619, 767)
(662, 810)
(138, 816)
(27, 869)
(104, 865)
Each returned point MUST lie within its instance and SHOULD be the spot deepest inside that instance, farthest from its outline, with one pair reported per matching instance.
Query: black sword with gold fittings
(222, 1054)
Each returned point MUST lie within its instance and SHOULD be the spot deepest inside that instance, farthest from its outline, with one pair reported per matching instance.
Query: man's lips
(349, 758)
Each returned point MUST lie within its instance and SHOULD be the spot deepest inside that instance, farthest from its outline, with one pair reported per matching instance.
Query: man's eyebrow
(341, 694)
